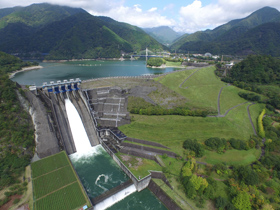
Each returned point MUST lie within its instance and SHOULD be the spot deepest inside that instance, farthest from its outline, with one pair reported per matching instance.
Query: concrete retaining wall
(163, 197)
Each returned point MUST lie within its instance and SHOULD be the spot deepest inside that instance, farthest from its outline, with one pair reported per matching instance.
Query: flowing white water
(85, 150)
(115, 198)
(77, 128)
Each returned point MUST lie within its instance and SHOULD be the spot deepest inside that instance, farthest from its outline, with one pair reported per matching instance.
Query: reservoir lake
(85, 70)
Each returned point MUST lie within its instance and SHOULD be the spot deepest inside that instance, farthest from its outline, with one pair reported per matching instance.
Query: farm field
(55, 185)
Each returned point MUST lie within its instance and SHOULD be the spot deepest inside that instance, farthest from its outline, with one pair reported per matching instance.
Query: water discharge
(115, 198)
(89, 163)
(79, 134)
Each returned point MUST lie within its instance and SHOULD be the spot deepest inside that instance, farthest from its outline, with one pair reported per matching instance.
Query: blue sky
(182, 15)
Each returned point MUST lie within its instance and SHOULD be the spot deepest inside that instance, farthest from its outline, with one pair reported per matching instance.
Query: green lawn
(201, 89)
(175, 79)
(232, 157)
(230, 98)
(171, 131)
(177, 64)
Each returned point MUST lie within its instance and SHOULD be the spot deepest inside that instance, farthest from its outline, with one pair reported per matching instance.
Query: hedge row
(176, 111)
(260, 124)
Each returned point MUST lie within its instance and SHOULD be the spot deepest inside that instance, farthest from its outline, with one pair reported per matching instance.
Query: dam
(84, 124)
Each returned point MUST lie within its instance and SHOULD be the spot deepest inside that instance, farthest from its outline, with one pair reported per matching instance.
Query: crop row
(50, 182)
(49, 164)
(68, 198)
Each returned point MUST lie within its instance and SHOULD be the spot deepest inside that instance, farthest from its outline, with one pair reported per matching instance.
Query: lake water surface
(85, 70)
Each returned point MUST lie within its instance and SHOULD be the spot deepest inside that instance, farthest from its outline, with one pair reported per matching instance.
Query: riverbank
(12, 74)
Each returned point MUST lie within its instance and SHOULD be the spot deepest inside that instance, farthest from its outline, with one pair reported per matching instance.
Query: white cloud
(152, 9)
(169, 7)
(189, 18)
(196, 16)
(136, 16)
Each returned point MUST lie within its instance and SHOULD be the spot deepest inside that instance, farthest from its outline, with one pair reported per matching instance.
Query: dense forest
(16, 128)
(260, 74)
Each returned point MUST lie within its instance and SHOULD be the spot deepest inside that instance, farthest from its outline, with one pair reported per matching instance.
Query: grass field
(201, 89)
(232, 157)
(55, 185)
(171, 131)
(230, 98)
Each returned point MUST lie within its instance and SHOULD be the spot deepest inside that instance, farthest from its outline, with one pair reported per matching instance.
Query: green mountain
(6, 11)
(37, 15)
(264, 39)
(67, 33)
(231, 37)
(163, 34)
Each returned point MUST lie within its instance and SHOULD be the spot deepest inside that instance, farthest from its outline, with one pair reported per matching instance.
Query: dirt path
(180, 86)
(219, 106)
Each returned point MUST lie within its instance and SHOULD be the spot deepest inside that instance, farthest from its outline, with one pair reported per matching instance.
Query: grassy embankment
(203, 89)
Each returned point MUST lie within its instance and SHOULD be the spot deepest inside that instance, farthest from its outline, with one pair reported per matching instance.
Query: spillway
(79, 134)
(97, 170)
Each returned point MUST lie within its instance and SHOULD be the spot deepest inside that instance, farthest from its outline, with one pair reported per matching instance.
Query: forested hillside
(256, 34)
(67, 33)
(16, 128)
(260, 74)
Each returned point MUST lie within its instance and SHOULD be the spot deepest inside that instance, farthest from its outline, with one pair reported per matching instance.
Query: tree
(190, 190)
(221, 202)
(242, 201)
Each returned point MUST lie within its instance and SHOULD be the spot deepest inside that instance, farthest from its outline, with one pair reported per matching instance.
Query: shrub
(194, 146)
(216, 143)
(260, 124)
(238, 144)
